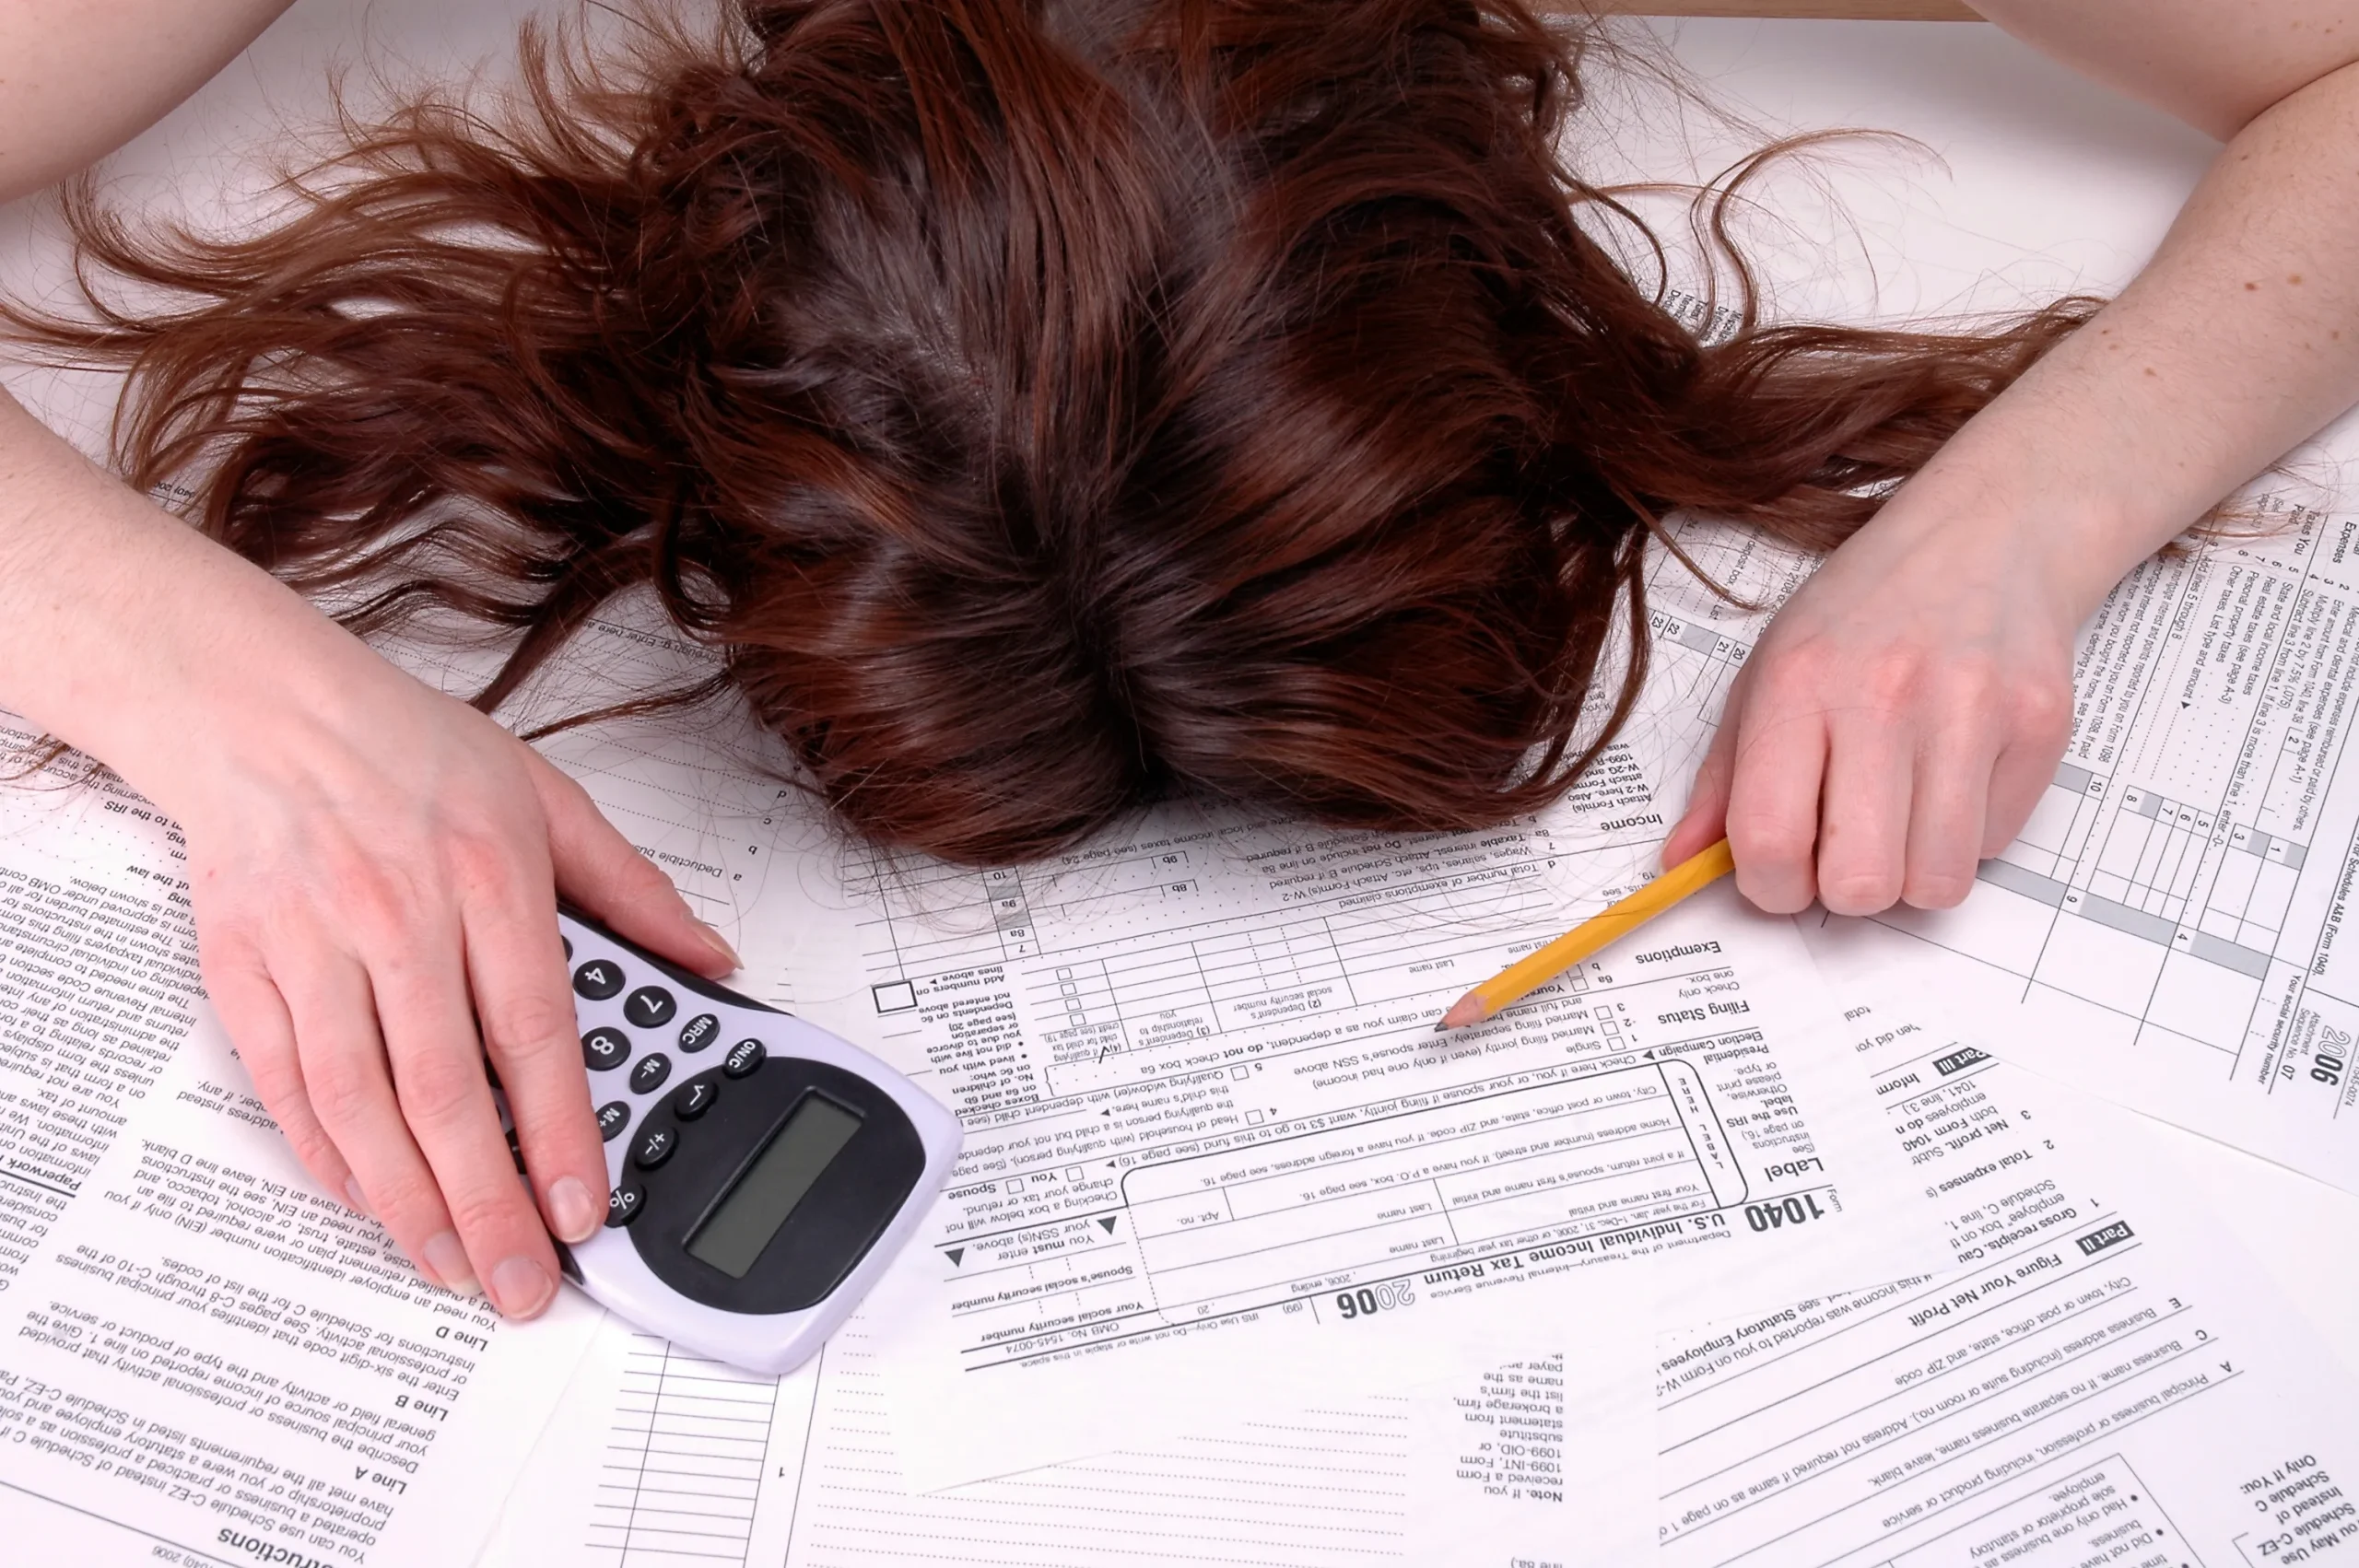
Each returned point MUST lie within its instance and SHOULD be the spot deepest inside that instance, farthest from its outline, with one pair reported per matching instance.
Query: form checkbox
(1254, 1118)
(1012, 1185)
(1074, 1173)
(895, 996)
(1238, 1073)
(1609, 1026)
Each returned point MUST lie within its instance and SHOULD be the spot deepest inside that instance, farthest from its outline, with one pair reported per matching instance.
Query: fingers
(1777, 766)
(368, 899)
(1947, 818)
(1865, 813)
(517, 973)
(1870, 803)
(598, 869)
(438, 1078)
(1705, 823)
(2026, 765)
(346, 1083)
(374, 1073)
(256, 1016)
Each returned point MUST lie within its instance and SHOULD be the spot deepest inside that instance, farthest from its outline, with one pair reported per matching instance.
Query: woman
(1041, 407)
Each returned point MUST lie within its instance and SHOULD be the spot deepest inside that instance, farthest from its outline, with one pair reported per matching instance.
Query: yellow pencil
(1526, 975)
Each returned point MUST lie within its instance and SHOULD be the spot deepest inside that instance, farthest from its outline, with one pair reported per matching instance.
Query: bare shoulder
(2215, 64)
(78, 80)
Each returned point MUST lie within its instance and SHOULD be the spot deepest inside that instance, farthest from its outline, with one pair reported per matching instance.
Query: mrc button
(699, 1032)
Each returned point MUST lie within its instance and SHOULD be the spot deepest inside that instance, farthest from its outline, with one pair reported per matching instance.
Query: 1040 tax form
(1210, 1126)
(2102, 1376)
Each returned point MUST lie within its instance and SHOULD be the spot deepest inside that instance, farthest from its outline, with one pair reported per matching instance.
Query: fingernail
(448, 1261)
(727, 954)
(575, 1213)
(520, 1287)
(353, 1195)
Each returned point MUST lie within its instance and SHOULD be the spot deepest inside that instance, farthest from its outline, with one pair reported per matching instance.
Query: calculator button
(655, 1146)
(649, 1006)
(694, 1097)
(624, 1203)
(699, 1031)
(569, 946)
(603, 1048)
(598, 979)
(648, 1075)
(613, 1117)
(744, 1057)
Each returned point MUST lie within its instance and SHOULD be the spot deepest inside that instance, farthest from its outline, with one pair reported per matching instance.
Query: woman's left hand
(1899, 719)
(1903, 713)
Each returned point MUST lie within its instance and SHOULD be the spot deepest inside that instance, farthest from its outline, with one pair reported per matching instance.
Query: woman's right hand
(374, 867)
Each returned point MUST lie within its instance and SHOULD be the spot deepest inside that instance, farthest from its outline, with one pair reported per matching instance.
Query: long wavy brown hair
(1041, 405)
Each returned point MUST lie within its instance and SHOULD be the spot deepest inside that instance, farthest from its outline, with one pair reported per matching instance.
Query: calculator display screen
(750, 1214)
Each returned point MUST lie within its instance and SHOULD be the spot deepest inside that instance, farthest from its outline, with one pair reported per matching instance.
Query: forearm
(78, 81)
(115, 616)
(373, 868)
(2238, 340)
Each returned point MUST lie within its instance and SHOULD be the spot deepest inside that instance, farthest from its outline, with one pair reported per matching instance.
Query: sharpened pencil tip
(1468, 1008)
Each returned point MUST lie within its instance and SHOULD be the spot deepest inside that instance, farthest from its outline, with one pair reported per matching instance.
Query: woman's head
(1042, 406)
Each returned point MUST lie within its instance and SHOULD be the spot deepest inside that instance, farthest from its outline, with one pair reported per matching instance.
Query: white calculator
(762, 1172)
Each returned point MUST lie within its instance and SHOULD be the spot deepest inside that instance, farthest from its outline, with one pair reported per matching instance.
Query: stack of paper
(1752, 1241)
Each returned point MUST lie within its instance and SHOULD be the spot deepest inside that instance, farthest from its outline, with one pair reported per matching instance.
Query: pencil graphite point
(1468, 1008)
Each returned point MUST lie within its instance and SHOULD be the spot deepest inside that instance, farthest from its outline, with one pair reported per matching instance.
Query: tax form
(2102, 1378)
(202, 1359)
(1210, 1126)
(657, 1457)
(2170, 926)
(2168, 931)
(1516, 1467)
